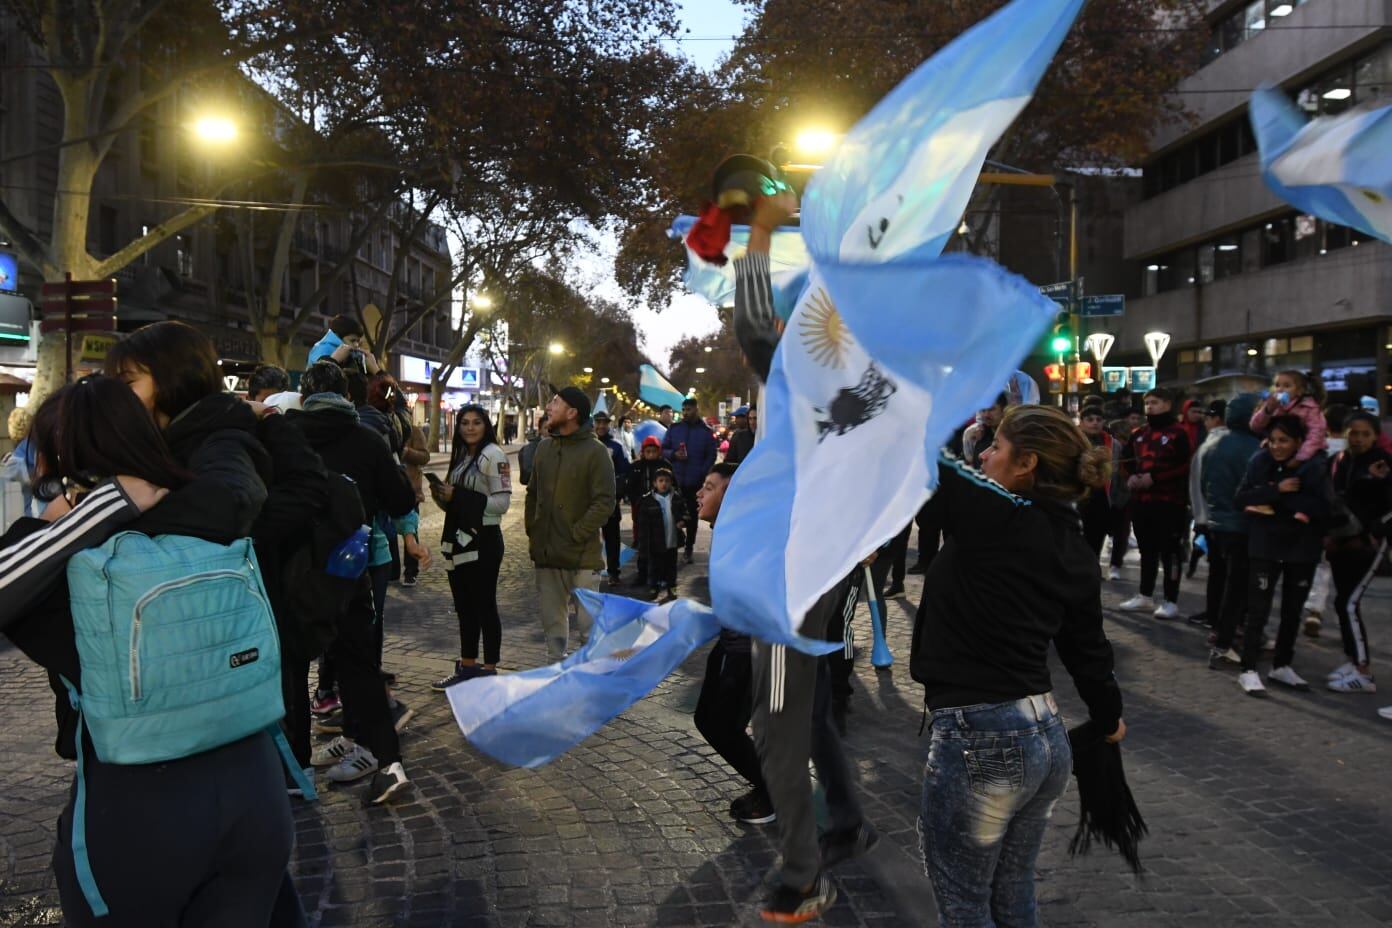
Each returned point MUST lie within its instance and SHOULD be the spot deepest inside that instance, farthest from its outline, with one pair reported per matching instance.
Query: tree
(723, 371)
(827, 62)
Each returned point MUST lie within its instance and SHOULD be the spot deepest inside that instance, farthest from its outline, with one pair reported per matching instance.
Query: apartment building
(1244, 284)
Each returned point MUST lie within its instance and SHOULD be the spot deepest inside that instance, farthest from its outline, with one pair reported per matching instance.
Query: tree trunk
(437, 393)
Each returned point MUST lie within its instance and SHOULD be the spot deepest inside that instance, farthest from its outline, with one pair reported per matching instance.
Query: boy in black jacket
(663, 519)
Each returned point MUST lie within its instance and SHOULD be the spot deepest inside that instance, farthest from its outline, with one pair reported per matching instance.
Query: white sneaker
(1217, 659)
(1166, 611)
(1386, 712)
(357, 764)
(1343, 670)
(1352, 683)
(1251, 684)
(329, 754)
(1114, 573)
(1311, 624)
(386, 784)
(1289, 677)
(1138, 603)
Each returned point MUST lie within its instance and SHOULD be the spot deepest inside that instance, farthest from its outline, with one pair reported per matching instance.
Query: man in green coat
(569, 498)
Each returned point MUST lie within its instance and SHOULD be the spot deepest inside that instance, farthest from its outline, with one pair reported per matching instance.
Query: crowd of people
(327, 479)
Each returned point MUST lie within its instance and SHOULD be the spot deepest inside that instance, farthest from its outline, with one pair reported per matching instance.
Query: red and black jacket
(1161, 449)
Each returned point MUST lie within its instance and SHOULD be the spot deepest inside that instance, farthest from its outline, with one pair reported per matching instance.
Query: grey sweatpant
(792, 723)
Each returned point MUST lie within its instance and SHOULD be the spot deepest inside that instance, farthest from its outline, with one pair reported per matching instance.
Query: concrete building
(208, 275)
(1244, 284)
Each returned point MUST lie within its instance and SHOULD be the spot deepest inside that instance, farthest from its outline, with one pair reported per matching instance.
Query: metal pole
(67, 327)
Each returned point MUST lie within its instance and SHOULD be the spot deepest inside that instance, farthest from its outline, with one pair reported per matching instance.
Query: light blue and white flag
(788, 262)
(898, 183)
(1338, 168)
(601, 405)
(890, 347)
(528, 719)
(853, 423)
(656, 390)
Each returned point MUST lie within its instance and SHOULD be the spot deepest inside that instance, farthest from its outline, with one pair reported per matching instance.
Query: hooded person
(569, 498)
(1223, 465)
(640, 484)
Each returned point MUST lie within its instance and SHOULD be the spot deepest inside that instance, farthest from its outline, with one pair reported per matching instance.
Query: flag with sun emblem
(1337, 167)
(853, 423)
(530, 718)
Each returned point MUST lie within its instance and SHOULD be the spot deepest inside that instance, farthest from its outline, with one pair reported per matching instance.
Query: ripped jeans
(994, 774)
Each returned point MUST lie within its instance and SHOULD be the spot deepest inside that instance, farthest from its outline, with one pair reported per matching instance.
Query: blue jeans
(993, 776)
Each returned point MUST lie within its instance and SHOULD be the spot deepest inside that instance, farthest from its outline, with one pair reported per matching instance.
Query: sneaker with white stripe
(1352, 683)
(357, 764)
(329, 754)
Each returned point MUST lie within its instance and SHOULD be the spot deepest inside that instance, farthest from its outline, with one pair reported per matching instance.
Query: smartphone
(434, 480)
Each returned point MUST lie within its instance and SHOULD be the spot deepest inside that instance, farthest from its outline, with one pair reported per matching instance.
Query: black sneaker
(689, 558)
(1199, 618)
(386, 784)
(408, 581)
(331, 724)
(917, 568)
(838, 846)
(753, 808)
(461, 673)
(789, 906)
(894, 589)
(401, 714)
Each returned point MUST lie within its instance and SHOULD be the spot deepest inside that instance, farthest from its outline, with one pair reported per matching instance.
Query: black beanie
(576, 399)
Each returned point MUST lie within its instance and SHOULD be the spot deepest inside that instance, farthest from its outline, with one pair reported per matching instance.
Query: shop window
(1227, 257)
(1302, 343)
(1274, 347)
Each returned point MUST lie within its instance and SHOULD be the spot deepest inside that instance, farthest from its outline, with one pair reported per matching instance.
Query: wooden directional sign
(79, 306)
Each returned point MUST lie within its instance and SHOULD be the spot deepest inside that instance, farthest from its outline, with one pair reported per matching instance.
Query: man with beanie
(569, 498)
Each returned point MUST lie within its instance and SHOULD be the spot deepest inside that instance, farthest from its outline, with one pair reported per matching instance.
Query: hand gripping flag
(656, 390)
(1338, 168)
(528, 719)
(788, 263)
(889, 347)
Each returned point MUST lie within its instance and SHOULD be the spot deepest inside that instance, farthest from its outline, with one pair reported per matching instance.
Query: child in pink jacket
(1293, 394)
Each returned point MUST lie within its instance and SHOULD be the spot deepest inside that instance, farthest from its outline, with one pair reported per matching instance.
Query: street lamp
(588, 370)
(700, 370)
(814, 142)
(556, 348)
(709, 349)
(482, 300)
(604, 380)
(215, 130)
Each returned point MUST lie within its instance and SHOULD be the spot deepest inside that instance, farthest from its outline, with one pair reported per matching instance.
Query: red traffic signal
(1055, 374)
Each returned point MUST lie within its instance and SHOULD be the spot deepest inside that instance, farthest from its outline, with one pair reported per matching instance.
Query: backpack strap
(82, 864)
(287, 756)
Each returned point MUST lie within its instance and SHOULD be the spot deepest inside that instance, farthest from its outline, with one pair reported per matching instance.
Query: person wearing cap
(691, 447)
(742, 439)
(663, 520)
(569, 498)
(640, 484)
(627, 439)
(622, 467)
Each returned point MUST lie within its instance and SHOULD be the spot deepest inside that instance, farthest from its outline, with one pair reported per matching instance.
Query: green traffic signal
(1060, 344)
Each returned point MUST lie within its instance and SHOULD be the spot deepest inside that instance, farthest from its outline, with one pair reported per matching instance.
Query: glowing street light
(556, 348)
(604, 380)
(814, 142)
(588, 370)
(215, 130)
(709, 349)
(482, 300)
(700, 370)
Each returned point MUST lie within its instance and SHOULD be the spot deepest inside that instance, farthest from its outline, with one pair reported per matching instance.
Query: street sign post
(78, 306)
(1110, 304)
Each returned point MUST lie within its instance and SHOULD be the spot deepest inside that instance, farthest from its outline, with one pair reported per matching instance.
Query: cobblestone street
(1269, 813)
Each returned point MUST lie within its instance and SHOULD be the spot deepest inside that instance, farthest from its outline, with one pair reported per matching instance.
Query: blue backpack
(179, 655)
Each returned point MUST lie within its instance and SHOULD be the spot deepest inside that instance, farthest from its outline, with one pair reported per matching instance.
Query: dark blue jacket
(1225, 464)
(622, 465)
(700, 452)
(1281, 537)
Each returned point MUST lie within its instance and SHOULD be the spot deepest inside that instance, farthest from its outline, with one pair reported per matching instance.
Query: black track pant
(1160, 529)
(202, 841)
(689, 497)
(1096, 513)
(897, 555)
(1352, 569)
(1295, 586)
(611, 542)
(355, 655)
(474, 586)
(1229, 549)
(723, 711)
(1120, 530)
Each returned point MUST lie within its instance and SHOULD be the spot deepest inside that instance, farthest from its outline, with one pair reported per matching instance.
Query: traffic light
(1082, 372)
(1062, 340)
(1055, 374)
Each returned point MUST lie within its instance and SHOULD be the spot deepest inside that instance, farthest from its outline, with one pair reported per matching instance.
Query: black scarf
(1107, 811)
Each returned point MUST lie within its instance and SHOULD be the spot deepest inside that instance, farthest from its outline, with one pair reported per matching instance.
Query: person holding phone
(478, 493)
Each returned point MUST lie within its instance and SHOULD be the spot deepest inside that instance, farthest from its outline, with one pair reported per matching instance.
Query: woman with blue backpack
(211, 813)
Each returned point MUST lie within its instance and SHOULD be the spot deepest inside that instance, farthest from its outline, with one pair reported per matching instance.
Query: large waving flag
(1337, 167)
(889, 347)
(528, 719)
(898, 183)
(788, 261)
(656, 390)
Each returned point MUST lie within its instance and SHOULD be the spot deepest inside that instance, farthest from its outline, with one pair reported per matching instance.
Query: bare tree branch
(160, 233)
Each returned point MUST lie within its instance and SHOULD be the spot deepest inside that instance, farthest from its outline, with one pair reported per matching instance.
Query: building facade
(210, 274)
(1245, 285)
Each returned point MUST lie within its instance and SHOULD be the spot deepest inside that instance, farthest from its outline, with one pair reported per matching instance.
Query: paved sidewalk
(1268, 813)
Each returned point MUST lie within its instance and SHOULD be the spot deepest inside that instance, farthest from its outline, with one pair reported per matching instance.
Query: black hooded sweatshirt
(360, 454)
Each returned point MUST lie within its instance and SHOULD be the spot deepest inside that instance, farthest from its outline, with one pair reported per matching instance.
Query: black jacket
(651, 530)
(1013, 575)
(1282, 537)
(1368, 497)
(356, 451)
(640, 478)
(741, 443)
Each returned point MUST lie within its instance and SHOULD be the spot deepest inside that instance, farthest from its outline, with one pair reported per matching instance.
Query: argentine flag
(889, 346)
(1338, 168)
(656, 390)
(529, 719)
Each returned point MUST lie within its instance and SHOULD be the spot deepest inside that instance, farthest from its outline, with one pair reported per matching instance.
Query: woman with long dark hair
(213, 830)
(475, 498)
(1015, 574)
